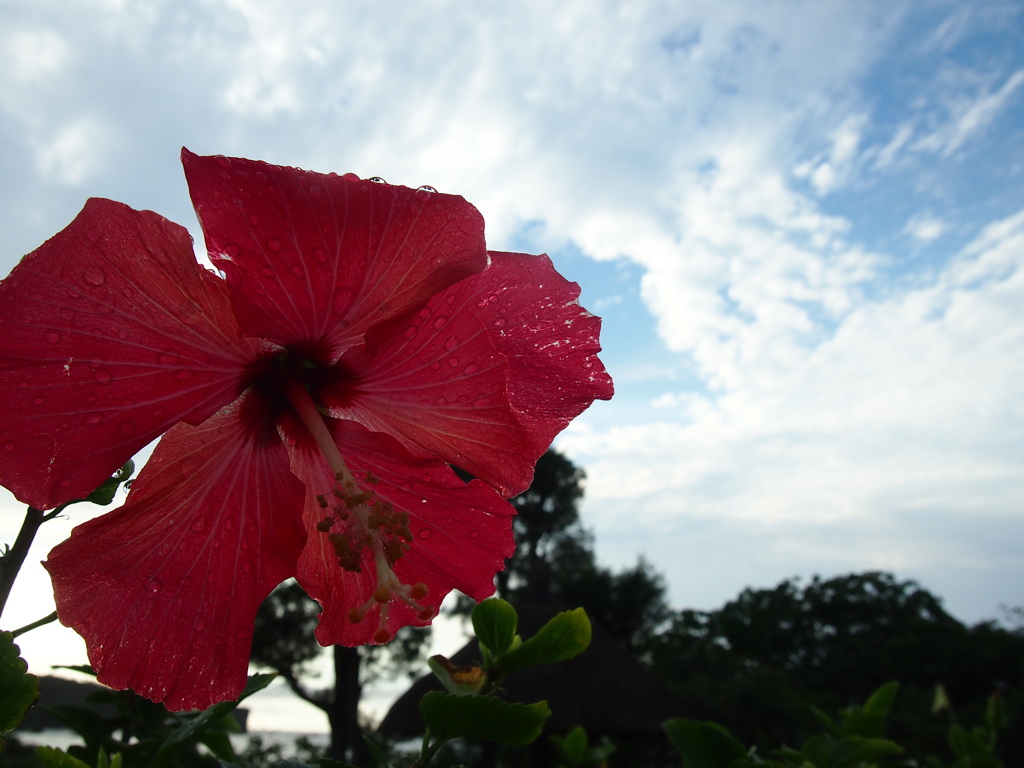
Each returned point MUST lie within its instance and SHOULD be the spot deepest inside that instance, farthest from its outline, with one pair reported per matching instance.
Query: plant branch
(41, 622)
(14, 558)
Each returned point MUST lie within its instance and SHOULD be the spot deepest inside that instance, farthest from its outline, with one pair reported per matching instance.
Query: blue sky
(802, 223)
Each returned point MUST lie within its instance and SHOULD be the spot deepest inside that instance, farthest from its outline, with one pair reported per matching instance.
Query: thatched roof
(604, 689)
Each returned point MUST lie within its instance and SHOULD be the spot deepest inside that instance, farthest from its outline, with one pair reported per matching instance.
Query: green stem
(41, 622)
(14, 558)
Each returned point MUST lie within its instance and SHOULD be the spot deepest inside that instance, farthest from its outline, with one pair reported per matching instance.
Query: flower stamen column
(355, 519)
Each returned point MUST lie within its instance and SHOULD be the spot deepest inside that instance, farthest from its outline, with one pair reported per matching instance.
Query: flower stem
(39, 623)
(13, 559)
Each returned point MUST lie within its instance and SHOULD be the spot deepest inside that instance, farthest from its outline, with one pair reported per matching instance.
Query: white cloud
(924, 227)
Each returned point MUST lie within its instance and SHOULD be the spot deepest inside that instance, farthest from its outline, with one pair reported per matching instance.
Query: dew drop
(102, 375)
(39, 400)
(65, 481)
(225, 161)
(424, 533)
(166, 358)
(53, 336)
(350, 177)
(94, 418)
(426, 191)
(22, 385)
(320, 255)
(410, 331)
(274, 245)
(93, 275)
(471, 368)
(474, 534)
(499, 321)
(126, 428)
(314, 191)
(440, 323)
(9, 446)
(441, 401)
(453, 362)
(253, 219)
(183, 375)
(154, 586)
(199, 624)
(377, 180)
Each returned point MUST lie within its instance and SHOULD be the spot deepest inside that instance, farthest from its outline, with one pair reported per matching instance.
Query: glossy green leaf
(703, 745)
(20, 689)
(106, 492)
(494, 622)
(565, 636)
(482, 717)
(51, 757)
(195, 729)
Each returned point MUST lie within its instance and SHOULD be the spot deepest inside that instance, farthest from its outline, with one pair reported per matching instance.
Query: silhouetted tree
(756, 663)
(284, 642)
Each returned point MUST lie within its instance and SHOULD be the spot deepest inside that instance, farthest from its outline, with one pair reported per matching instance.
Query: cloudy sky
(802, 223)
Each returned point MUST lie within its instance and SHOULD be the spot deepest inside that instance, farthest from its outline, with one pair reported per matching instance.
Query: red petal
(165, 589)
(112, 333)
(485, 375)
(551, 342)
(321, 258)
(461, 533)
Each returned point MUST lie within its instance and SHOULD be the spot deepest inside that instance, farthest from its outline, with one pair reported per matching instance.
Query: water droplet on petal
(273, 244)
(126, 428)
(183, 375)
(440, 323)
(377, 180)
(166, 358)
(94, 418)
(199, 624)
(350, 177)
(314, 191)
(424, 533)
(410, 331)
(53, 336)
(453, 362)
(474, 534)
(427, 190)
(102, 375)
(499, 321)
(9, 446)
(471, 368)
(253, 220)
(225, 161)
(320, 255)
(154, 586)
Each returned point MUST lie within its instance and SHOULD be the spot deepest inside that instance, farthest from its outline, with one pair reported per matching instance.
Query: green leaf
(195, 728)
(880, 702)
(703, 745)
(51, 757)
(20, 689)
(377, 752)
(565, 636)
(482, 717)
(849, 751)
(494, 622)
(105, 493)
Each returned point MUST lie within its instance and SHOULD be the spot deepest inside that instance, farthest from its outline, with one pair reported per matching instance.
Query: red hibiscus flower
(361, 342)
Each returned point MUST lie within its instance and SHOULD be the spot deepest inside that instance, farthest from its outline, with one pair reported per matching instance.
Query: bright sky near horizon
(802, 223)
